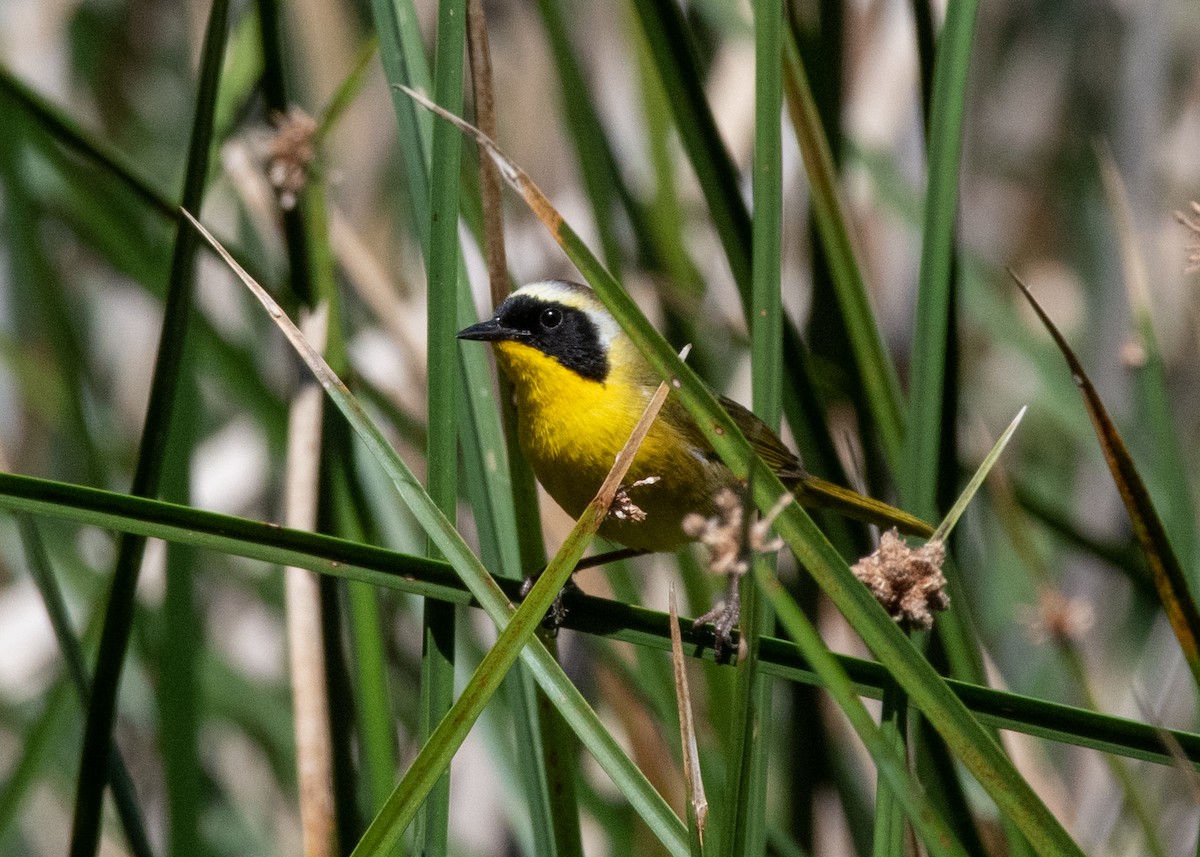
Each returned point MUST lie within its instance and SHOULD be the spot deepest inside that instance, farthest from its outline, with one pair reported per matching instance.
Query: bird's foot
(557, 614)
(724, 618)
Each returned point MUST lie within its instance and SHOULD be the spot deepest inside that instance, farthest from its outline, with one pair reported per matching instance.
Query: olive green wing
(764, 441)
(809, 490)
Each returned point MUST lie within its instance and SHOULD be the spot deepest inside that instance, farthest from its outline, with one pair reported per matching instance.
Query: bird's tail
(814, 491)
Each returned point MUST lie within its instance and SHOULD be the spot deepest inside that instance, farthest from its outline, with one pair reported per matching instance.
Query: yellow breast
(571, 429)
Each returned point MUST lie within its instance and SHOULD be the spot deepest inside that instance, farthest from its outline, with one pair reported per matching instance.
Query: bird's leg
(557, 613)
(724, 617)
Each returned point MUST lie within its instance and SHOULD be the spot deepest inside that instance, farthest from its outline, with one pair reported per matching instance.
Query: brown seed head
(907, 581)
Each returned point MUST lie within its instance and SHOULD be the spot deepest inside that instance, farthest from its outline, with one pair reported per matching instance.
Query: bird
(579, 386)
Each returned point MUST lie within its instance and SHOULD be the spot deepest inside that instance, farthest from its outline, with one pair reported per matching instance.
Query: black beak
(488, 331)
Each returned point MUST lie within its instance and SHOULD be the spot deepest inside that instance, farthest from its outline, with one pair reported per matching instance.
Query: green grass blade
(670, 46)
(934, 324)
(751, 733)
(368, 642)
(437, 662)
(70, 134)
(511, 544)
(167, 369)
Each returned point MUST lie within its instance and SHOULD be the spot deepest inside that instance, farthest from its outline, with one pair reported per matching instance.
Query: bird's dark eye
(551, 318)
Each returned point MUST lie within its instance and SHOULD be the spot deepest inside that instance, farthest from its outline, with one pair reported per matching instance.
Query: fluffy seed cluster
(290, 153)
(722, 533)
(907, 581)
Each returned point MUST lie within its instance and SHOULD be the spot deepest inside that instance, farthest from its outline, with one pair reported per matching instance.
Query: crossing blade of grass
(168, 363)
(449, 734)
(549, 675)
(1165, 568)
(590, 615)
(967, 738)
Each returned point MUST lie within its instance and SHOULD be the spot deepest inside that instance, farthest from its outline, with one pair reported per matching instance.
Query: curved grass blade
(168, 369)
(549, 675)
(977, 749)
(1165, 569)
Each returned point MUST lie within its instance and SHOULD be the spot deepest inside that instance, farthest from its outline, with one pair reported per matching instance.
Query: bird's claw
(557, 613)
(724, 618)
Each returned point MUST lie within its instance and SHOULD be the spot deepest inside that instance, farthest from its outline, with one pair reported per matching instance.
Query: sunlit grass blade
(985, 467)
(633, 784)
(168, 369)
(1169, 578)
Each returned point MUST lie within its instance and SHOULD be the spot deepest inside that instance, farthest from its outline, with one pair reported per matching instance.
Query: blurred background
(1060, 96)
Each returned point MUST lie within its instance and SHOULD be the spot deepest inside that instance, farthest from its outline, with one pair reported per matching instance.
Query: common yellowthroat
(580, 386)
